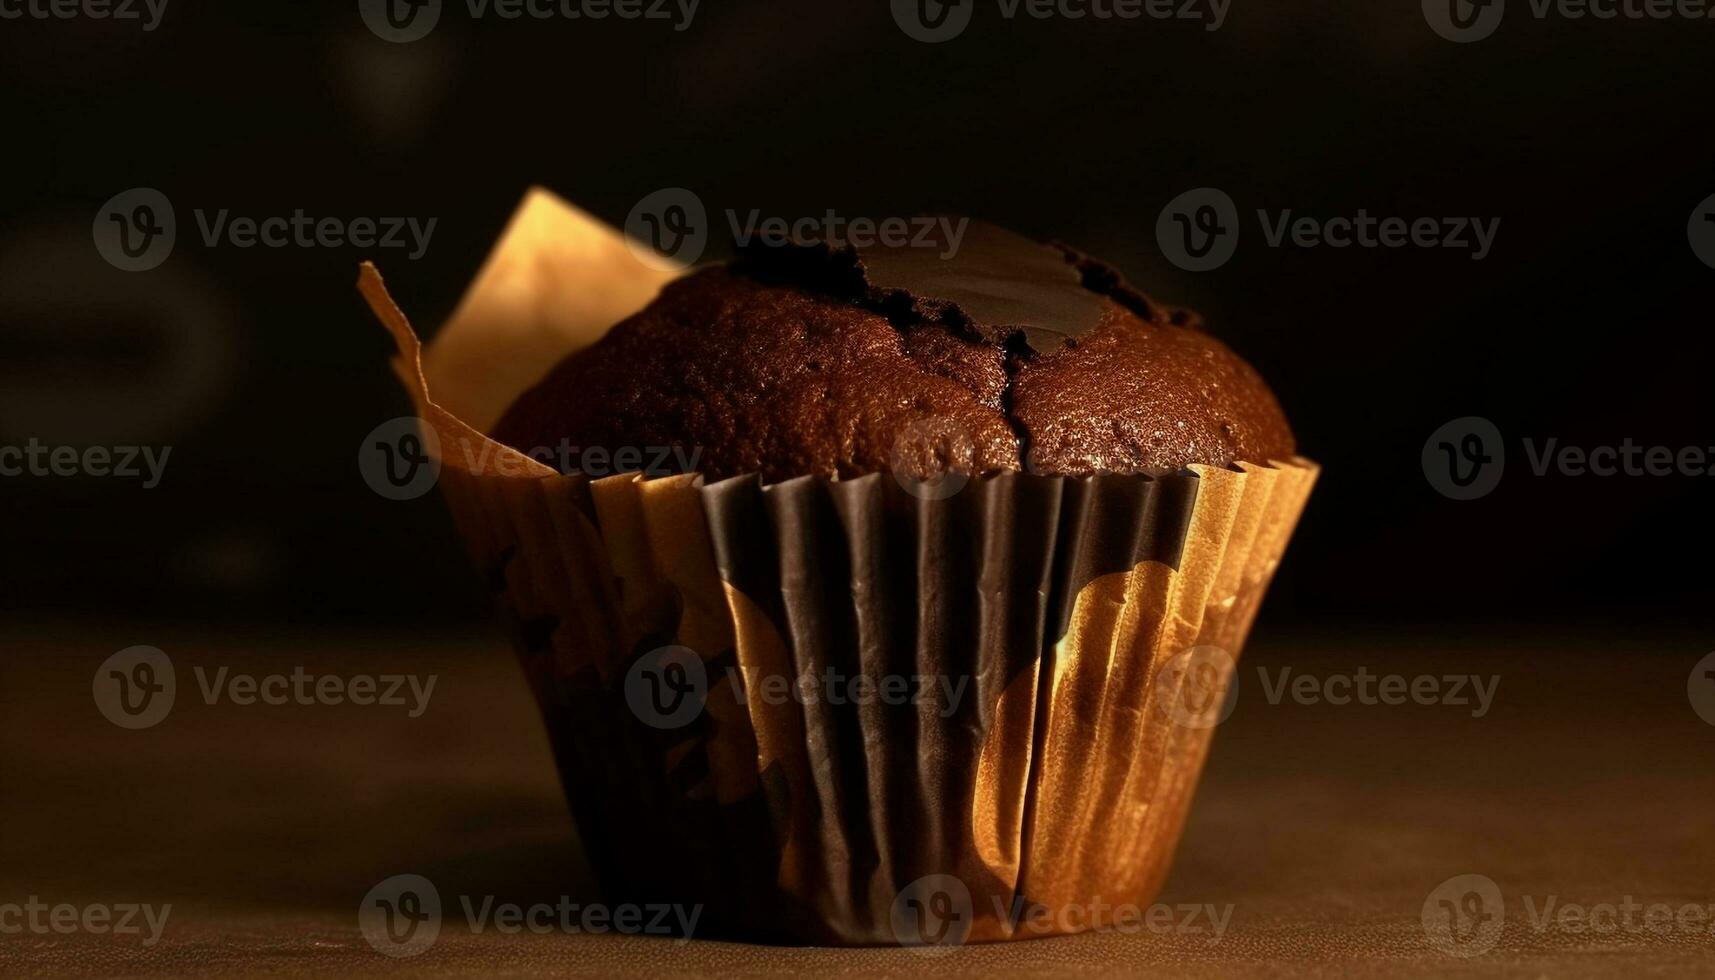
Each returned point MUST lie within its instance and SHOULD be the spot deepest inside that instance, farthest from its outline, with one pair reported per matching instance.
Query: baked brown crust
(1137, 396)
(752, 373)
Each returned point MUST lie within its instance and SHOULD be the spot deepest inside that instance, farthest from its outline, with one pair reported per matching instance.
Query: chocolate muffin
(805, 358)
(1064, 644)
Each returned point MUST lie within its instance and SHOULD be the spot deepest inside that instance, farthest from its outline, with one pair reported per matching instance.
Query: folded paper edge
(556, 280)
(478, 451)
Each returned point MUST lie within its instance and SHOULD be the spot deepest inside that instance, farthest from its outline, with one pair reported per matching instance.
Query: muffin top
(974, 354)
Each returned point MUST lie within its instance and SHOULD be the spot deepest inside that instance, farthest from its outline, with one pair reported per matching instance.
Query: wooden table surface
(1325, 828)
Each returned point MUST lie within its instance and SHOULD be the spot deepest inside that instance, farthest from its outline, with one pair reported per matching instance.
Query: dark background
(1589, 322)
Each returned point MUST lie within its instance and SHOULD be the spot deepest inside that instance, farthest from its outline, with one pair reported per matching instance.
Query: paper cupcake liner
(1031, 753)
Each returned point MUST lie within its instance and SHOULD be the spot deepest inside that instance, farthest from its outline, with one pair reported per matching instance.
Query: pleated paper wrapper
(1024, 671)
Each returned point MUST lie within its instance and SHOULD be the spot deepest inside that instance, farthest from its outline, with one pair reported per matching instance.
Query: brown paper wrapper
(1032, 755)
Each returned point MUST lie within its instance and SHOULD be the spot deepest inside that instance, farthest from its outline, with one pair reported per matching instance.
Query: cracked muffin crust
(835, 361)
